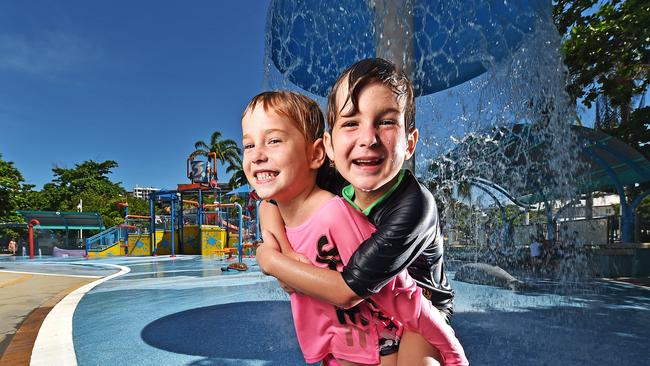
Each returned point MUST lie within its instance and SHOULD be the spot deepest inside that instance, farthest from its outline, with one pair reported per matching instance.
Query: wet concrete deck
(186, 311)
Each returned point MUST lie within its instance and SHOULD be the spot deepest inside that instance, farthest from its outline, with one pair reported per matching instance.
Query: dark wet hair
(365, 72)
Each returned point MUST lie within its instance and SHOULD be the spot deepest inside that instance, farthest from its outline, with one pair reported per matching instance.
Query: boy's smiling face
(370, 145)
(276, 155)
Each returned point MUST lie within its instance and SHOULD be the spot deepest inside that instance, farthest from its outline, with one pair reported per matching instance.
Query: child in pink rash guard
(330, 237)
(283, 150)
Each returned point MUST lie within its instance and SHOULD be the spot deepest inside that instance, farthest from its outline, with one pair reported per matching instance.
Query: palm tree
(226, 149)
(238, 178)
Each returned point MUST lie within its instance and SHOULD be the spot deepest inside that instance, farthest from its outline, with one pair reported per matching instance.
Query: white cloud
(51, 54)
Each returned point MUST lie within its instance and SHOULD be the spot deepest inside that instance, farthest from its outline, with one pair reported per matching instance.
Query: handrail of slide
(108, 237)
(138, 217)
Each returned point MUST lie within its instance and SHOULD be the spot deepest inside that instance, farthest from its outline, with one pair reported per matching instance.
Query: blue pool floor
(186, 311)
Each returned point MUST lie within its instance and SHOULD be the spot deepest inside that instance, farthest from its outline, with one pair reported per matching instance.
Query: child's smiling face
(369, 145)
(275, 155)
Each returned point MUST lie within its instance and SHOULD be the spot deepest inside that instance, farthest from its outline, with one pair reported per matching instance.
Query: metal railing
(109, 237)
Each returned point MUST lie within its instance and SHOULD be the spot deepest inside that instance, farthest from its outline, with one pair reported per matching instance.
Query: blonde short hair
(302, 110)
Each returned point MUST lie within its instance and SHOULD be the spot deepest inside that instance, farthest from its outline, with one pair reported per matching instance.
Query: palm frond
(215, 137)
(199, 152)
(201, 145)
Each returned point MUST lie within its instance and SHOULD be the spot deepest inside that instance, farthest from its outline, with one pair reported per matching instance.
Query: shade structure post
(32, 223)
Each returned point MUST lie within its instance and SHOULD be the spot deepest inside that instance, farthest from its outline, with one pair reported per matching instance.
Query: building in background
(143, 192)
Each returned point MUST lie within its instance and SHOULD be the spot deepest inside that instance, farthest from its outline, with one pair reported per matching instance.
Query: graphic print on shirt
(389, 337)
(328, 254)
(351, 318)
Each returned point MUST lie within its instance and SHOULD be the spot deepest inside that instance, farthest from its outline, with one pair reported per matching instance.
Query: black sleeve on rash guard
(406, 223)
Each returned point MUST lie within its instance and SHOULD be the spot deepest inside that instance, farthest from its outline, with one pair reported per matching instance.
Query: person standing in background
(535, 253)
(12, 246)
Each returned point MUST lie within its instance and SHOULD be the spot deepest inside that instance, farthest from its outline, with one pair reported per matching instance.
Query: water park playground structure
(191, 225)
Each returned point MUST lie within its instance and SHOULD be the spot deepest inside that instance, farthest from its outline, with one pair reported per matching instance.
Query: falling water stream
(496, 143)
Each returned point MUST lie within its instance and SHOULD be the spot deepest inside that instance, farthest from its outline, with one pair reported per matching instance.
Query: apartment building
(143, 192)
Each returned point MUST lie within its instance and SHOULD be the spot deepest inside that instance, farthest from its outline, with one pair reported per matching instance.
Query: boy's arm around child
(408, 235)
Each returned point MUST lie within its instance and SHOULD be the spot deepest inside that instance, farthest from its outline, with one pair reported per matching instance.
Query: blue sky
(137, 82)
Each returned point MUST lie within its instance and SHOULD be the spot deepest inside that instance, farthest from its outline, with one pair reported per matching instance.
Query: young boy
(371, 113)
(282, 152)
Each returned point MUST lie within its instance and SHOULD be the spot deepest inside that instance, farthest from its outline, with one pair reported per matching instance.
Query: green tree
(14, 192)
(606, 46)
(87, 181)
(227, 151)
(607, 50)
(138, 206)
(238, 178)
(635, 132)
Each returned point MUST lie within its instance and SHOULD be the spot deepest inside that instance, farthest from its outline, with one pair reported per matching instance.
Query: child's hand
(264, 256)
(288, 289)
(297, 257)
(271, 248)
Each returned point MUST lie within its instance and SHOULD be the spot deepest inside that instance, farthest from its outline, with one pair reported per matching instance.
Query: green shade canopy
(55, 220)
(611, 163)
(605, 152)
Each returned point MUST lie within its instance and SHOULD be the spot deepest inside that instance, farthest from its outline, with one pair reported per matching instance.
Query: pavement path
(22, 294)
(29, 289)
